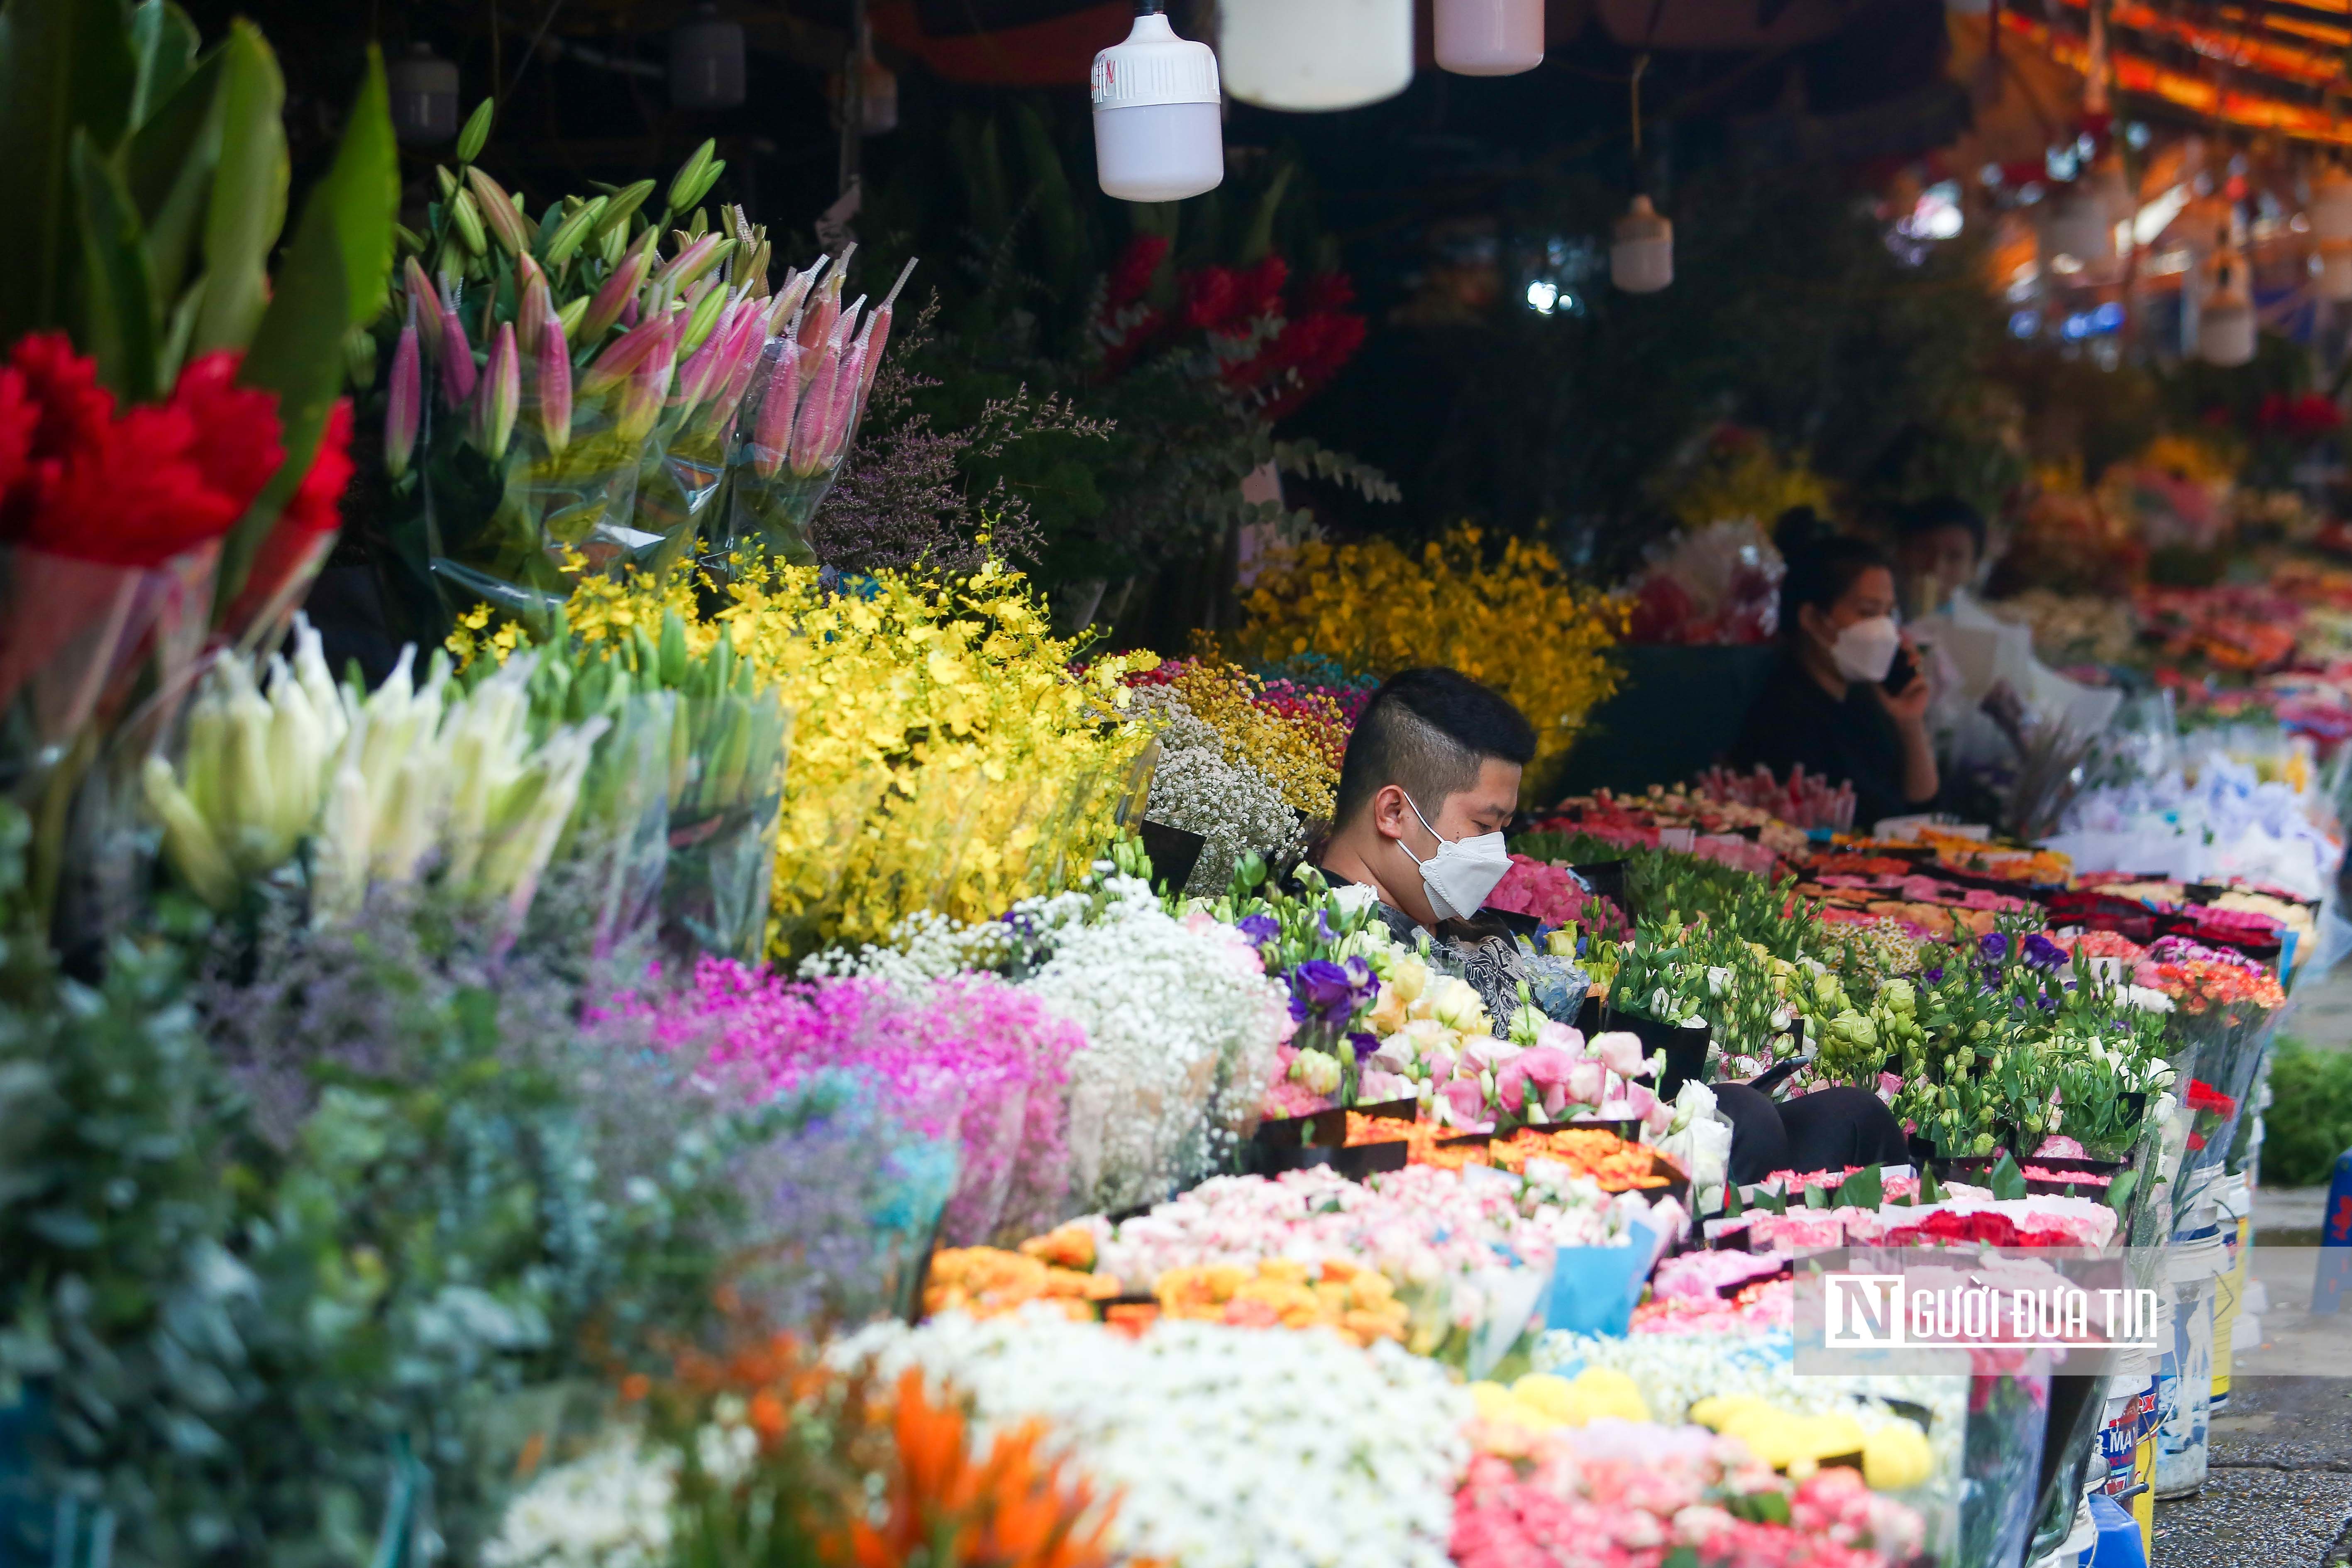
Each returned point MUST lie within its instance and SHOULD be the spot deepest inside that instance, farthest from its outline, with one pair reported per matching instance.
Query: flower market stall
(721, 1053)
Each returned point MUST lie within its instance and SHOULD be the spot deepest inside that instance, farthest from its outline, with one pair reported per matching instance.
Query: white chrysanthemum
(1232, 1448)
(610, 1509)
(1181, 1026)
(1200, 787)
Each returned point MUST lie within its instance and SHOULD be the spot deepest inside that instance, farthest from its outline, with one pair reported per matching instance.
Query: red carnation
(237, 427)
(1209, 295)
(1260, 288)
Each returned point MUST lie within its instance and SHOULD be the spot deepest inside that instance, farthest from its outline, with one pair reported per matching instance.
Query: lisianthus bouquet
(1220, 1440)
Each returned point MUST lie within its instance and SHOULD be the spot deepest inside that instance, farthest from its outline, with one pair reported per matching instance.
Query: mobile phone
(1901, 673)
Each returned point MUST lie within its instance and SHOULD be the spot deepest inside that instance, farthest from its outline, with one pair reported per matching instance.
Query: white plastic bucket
(2184, 1378)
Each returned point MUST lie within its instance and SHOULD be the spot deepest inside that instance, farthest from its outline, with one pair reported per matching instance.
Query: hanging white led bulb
(2225, 317)
(1159, 132)
(1488, 37)
(1642, 252)
(1315, 54)
(424, 95)
(706, 61)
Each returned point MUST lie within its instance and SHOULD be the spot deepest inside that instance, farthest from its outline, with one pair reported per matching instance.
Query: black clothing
(1794, 720)
(1827, 1130)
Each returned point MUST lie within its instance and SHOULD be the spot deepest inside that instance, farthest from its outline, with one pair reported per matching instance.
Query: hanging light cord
(1640, 64)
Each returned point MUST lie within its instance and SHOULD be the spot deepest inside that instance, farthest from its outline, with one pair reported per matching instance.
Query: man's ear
(1390, 811)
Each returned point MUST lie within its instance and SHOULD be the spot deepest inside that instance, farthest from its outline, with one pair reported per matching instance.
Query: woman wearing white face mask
(1431, 780)
(1847, 700)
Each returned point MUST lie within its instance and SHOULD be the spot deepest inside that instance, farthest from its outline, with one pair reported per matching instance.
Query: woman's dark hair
(1822, 563)
(1939, 512)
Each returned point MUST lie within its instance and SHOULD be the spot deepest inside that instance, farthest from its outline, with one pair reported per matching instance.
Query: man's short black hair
(1939, 512)
(1428, 730)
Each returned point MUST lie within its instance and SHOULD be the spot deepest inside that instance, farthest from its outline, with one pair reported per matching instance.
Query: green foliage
(2313, 1089)
(147, 187)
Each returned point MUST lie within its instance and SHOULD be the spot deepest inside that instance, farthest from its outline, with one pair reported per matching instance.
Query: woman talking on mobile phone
(1847, 699)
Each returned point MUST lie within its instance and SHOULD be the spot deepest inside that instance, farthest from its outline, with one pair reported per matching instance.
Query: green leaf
(63, 65)
(118, 303)
(249, 193)
(1866, 1189)
(169, 164)
(2007, 1180)
(165, 43)
(1257, 241)
(333, 278)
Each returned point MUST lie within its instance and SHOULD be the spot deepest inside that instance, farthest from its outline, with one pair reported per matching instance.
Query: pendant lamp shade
(877, 97)
(1489, 37)
(2077, 225)
(1159, 131)
(706, 61)
(1315, 54)
(2225, 317)
(1642, 253)
(424, 92)
(2335, 271)
(2331, 206)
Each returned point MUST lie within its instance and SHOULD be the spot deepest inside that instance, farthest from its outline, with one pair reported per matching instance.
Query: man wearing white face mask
(1431, 780)
(1847, 700)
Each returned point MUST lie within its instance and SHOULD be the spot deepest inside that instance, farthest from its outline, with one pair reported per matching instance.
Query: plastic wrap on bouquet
(682, 479)
(793, 439)
(2008, 1413)
(602, 884)
(519, 532)
(86, 644)
(727, 764)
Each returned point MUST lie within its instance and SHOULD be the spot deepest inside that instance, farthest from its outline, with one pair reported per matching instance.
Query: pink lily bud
(701, 375)
(771, 431)
(403, 400)
(642, 393)
(554, 379)
(878, 329)
(744, 342)
(534, 307)
(425, 305)
(621, 359)
(692, 262)
(786, 305)
(456, 356)
(497, 210)
(810, 430)
(618, 292)
(818, 318)
(498, 395)
(847, 405)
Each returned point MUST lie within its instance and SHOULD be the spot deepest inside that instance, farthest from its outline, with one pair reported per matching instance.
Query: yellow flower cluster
(943, 754)
(1296, 756)
(2205, 459)
(1744, 478)
(1359, 1303)
(1509, 1418)
(1517, 623)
